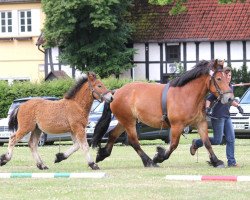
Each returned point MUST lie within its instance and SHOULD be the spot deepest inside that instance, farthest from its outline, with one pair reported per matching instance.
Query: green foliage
(91, 33)
(230, 1)
(241, 75)
(56, 88)
(114, 83)
(8, 93)
(179, 8)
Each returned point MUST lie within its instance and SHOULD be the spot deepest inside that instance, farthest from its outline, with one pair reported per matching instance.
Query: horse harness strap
(164, 104)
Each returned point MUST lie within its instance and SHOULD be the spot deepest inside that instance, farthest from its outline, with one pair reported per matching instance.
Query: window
(173, 53)
(6, 22)
(25, 21)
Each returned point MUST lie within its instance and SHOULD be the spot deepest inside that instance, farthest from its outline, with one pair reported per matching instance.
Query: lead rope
(197, 156)
(59, 148)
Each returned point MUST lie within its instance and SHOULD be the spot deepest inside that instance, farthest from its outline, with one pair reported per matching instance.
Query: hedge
(56, 88)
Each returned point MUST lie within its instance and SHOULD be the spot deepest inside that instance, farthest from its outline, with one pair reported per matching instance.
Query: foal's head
(219, 82)
(98, 89)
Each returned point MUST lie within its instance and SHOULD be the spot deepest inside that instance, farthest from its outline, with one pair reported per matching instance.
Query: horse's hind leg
(14, 139)
(134, 142)
(33, 144)
(63, 156)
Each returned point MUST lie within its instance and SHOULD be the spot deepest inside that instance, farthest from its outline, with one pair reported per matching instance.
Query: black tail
(13, 124)
(101, 126)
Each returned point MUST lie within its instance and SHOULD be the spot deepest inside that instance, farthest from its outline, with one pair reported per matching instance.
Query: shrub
(56, 88)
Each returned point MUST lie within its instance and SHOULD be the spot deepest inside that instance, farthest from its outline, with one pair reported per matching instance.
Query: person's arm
(208, 110)
(236, 104)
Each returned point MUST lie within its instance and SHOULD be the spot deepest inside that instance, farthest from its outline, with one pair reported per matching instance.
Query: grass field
(127, 178)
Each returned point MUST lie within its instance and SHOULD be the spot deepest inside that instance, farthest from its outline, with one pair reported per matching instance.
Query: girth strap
(164, 104)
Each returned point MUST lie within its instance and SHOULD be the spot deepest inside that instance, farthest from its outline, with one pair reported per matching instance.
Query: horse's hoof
(160, 155)
(59, 157)
(220, 166)
(152, 165)
(42, 166)
(94, 166)
(101, 155)
(3, 160)
(217, 164)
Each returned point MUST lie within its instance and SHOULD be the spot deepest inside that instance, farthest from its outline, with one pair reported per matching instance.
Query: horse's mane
(71, 93)
(199, 69)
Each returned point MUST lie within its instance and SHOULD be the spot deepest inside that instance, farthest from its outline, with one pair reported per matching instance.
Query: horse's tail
(101, 126)
(13, 123)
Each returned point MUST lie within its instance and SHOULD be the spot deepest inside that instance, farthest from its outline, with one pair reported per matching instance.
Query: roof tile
(204, 20)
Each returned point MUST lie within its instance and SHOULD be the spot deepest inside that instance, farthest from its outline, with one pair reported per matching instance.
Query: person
(221, 123)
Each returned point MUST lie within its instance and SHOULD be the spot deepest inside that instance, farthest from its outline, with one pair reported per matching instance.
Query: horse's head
(219, 82)
(98, 89)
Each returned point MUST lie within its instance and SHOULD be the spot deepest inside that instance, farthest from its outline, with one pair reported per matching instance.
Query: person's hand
(240, 110)
(208, 111)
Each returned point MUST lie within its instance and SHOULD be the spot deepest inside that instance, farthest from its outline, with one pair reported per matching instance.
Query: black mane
(71, 93)
(199, 69)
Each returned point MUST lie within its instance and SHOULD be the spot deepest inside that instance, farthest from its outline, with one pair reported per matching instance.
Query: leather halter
(217, 87)
(100, 95)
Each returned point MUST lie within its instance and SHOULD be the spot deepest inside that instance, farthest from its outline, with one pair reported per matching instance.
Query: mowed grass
(127, 178)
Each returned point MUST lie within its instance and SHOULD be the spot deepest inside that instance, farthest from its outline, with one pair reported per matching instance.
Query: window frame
(7, 24)
(170, 51)
(25, 21)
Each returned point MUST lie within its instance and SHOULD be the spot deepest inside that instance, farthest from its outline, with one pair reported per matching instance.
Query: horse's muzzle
(227, 98)
(108, 97)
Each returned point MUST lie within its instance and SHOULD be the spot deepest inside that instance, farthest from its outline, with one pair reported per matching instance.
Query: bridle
(217, 87)
(100, 95)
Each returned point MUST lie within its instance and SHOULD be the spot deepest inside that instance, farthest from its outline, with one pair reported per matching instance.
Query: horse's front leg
(134, 142)
(203, 131)
(104, 152)
(163, 154)
(81, 139)
(63, 156)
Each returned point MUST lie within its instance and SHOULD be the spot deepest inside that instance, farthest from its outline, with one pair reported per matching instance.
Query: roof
(56, 75)
(204, 21)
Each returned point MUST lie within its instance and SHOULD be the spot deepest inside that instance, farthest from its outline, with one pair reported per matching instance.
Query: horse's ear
(215, 64)
(91, 76)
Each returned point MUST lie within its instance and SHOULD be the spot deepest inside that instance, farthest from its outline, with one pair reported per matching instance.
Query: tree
(92, 34)
(178, 6)
(241, 75)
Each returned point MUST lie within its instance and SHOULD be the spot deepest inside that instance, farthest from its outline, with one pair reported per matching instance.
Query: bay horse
(185, 106)
(69, 114)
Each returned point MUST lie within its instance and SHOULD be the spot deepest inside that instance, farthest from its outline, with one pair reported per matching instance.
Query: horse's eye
(219, 79)
(99, 86)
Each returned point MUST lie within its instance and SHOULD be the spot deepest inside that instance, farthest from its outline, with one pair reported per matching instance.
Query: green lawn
(127, 178)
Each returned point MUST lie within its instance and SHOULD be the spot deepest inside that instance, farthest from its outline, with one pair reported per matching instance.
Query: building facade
(21, 22)
(207, 31)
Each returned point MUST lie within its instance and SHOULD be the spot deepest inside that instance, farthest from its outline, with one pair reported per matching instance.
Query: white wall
(154, 52)
(140, 52)
(205, 51)
(220, 50)
(139, 72)
(154, 72)
(191, 51)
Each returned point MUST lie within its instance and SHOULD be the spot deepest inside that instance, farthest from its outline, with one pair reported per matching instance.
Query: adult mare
(185, 106)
